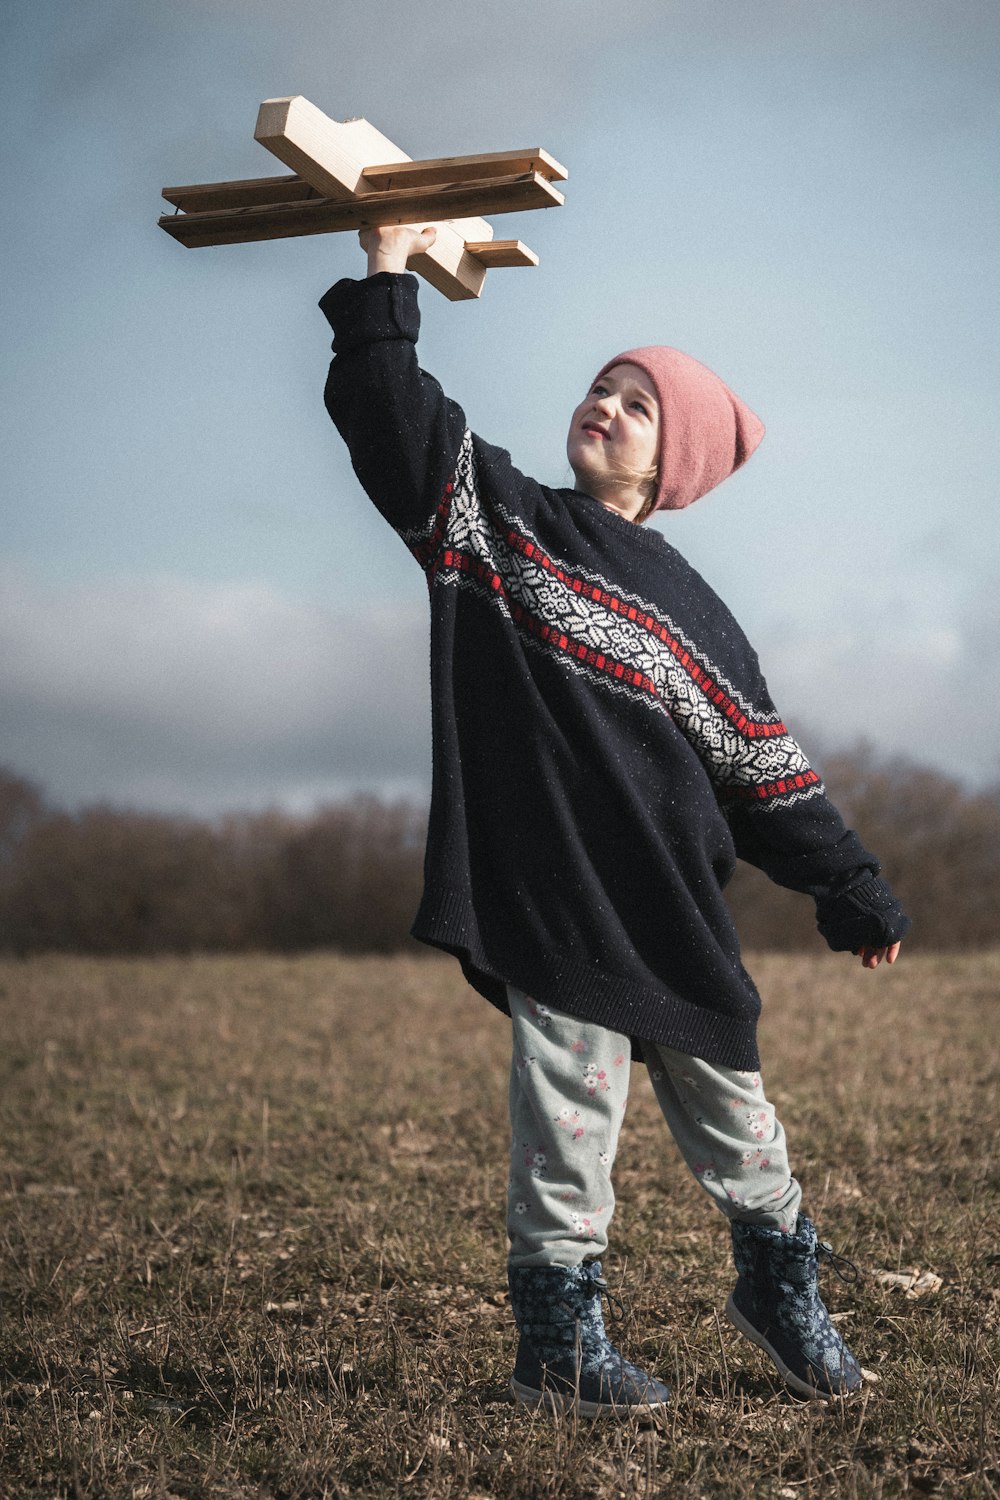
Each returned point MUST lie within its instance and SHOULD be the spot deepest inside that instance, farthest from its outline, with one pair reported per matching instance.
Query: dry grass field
(253, 1240)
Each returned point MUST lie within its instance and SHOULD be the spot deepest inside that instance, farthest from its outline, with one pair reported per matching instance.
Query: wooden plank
(448, 169)
(459, 279)
(200, 196)
(496, 253)
(238, 226)
(331, 155)
(335, 186)
(320, 216)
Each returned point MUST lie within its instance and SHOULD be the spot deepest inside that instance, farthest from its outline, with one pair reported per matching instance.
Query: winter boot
(776, 1303)
(565, 1359)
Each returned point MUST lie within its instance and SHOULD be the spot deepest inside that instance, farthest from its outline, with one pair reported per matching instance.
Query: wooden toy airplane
(348, 175)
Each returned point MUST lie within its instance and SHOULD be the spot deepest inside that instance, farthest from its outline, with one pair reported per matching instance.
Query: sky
(200, 611)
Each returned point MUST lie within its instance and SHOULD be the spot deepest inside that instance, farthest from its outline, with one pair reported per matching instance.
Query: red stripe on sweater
(552, 635)
(752, 729)
(425, 551)
(465, 562)
(770, 788)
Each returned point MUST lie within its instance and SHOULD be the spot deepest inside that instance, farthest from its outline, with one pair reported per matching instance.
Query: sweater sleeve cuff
(378, 307)
(866, 915)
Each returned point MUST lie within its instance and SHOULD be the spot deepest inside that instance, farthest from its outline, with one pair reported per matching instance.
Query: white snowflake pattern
(578, 604)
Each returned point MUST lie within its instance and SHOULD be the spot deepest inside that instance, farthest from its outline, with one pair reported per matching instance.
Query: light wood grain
(496, 253)
(331, 155)
(321, 216)
(347, 175)
(440, 171)
(199, 197)
(248, 193)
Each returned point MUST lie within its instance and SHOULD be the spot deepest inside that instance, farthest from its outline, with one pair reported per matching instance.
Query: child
(604, 747)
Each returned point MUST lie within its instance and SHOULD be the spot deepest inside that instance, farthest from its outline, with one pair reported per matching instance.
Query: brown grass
(253, 1240)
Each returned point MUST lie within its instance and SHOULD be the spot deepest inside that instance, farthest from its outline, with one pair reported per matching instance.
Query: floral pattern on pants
(568, 1093)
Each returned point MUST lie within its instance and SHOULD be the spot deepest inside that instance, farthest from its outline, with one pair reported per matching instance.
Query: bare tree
(349, 876)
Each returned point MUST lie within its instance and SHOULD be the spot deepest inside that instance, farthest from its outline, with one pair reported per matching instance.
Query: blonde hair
(645, 481)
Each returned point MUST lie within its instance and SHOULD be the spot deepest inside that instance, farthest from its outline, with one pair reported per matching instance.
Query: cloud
(160, 691)
(816, 185)
(923, 688)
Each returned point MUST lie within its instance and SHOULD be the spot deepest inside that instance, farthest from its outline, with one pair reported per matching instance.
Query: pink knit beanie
(706, 432)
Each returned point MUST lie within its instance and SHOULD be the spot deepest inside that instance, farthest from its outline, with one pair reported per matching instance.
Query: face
(616, 427)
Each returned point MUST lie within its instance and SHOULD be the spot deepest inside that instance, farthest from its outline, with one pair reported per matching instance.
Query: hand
(390, 246)
(872, 957)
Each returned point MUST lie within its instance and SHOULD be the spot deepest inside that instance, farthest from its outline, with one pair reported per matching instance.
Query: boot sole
(797, 1384)
(557, 1403)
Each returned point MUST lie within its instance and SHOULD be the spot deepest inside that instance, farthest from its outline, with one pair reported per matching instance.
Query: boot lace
(616, 1307)
(825, 1251)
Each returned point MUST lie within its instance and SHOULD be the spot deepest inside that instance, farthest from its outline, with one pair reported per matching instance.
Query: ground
(253, 1240)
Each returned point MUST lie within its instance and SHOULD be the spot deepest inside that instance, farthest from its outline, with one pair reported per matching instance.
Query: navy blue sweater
(604, 744)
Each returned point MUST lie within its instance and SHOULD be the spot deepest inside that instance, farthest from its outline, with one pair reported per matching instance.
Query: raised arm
(404, 435)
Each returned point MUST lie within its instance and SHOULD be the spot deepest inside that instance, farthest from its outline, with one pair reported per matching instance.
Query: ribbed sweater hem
(447, 920)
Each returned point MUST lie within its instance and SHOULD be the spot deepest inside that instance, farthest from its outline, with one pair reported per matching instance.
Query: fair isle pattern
(626, 642)
(425, 541)
(753, 722)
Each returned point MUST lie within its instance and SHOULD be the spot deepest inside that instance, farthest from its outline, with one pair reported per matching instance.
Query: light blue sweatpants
(568, 1092)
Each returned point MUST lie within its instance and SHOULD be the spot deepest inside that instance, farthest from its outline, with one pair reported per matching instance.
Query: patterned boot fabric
(777, 1305)
(564, 1357)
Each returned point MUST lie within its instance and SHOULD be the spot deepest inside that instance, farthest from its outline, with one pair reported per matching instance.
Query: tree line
(106, 880)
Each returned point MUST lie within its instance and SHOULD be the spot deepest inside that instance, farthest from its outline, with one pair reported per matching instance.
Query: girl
(604, 748)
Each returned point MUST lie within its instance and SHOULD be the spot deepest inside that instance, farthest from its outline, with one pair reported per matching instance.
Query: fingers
(384, 235)
(872, 957)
